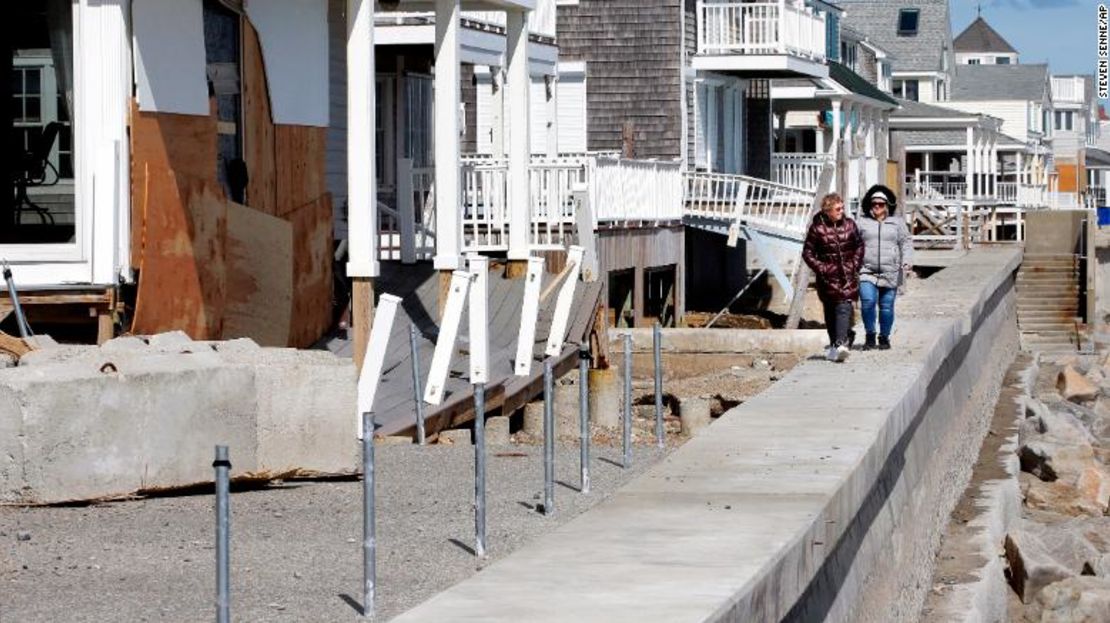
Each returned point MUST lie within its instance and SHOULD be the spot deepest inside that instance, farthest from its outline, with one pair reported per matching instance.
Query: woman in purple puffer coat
(834, 251)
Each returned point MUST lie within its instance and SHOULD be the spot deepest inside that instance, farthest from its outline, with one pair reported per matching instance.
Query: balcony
(778, 38)
(800, 170)
(1068, 90)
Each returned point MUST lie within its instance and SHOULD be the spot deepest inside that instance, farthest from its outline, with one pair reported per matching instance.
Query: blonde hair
(830, 200)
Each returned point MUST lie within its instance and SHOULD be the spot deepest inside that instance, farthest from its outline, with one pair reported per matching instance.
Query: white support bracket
(448, 332)
(478, 313)
(557, 335)
(376, 348)
(529, 315)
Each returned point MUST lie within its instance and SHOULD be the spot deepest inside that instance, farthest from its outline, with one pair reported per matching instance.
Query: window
(848, 54)
(1002, 60)
(1065, 120)
(906, 89)
(418, 120)
(907, 21)
(973, 61)
(1069, 118)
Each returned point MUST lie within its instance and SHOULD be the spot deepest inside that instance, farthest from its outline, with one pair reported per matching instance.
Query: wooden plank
(312, 271)
(362, 316)
(259, 301)
(258, 128)
(299, 158)
(182, 278)
(17, 347)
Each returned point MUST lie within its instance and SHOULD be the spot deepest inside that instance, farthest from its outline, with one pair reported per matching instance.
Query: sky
(1062, 33)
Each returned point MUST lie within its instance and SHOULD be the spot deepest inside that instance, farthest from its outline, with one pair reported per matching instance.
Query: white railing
(936, 186)
(485, 207)
(1069, 89)
(768, 206)
(551, 188)
(1029, 195)
(625, 190)
(781, 27)
(1007, 192)
(801, 170)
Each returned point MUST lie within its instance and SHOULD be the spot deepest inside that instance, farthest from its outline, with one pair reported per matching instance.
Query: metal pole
(480, 469)
(548, 439)
(416, 394)
(656, 347)
(369, 544)
(20, 320)
(626, 421)
(584, 415)
(222, 466)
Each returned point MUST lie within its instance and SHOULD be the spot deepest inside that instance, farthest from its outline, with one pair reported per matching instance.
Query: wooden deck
(417, 286)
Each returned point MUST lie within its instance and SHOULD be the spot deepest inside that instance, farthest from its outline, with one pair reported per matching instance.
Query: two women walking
(865, 260)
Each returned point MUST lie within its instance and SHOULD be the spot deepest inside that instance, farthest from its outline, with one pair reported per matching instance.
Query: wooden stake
(362, 315)
(516, 269)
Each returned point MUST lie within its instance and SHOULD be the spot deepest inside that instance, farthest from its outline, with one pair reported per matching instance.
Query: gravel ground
(296, 547)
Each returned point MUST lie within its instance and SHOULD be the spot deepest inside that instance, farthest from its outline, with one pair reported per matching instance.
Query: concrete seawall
(822, 498)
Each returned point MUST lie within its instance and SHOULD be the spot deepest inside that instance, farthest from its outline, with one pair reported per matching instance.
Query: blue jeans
(869, 295)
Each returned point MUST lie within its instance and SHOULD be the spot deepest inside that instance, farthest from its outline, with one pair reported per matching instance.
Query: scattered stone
(459, 436)
(1074, 600)
(497, 430)
(1057, 497)
(7, 361)
(238, 345)
(694, 414)
(1036, 459)
(1030, 566)
(23, 536)
(170, 341)
(124, 344)
(1075, 387)
(392, 440)
(762, 364)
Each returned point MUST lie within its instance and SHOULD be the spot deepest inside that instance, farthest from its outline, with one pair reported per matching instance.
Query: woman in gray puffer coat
(888, 255)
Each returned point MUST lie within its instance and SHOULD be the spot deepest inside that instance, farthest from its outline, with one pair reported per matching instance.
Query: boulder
(1030, 566)
(1058, 497)
(1082, 599)
(1075, 387)
(1067, 543)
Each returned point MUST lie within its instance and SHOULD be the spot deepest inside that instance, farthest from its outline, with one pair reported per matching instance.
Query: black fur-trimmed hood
(879, 189)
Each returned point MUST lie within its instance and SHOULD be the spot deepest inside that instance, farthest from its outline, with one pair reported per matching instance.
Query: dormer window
(907, 21)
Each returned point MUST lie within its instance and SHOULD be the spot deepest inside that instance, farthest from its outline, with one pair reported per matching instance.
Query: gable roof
(911, 109)
(980, 37)
(855, 83)
(1000, 82)
(878, 19)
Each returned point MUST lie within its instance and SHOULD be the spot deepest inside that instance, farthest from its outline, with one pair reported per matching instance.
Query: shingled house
(979, 44)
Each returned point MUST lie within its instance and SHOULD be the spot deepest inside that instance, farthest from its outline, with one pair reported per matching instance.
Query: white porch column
(552, 86)
(969, 168)
(448, 94)
(362, 264)
(994, 164)
(497, 85)
(840, 153)
(518, 83)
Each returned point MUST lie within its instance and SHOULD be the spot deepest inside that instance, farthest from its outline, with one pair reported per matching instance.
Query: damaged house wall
(259, 267)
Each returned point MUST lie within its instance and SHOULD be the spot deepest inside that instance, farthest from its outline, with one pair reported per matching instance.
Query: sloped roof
(878, 19)
(930, 138)
(912, 109)
(980, 37)
(857, 84)
(999, 82)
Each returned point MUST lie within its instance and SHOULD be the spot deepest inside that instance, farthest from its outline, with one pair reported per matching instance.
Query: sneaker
(884, 342)
(830, 353)
(842, 353)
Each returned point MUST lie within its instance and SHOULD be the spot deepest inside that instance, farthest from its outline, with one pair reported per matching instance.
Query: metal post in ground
(548, 438)
(222, 466)
(480, 469)
(656, 347)
(369, 543)
(416, 394)
(626, 420)
(584, 415)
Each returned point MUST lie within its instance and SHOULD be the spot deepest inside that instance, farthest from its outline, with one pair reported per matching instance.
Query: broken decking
(417, 286)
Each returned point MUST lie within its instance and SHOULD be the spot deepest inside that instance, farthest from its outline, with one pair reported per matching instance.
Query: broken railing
(764, 205)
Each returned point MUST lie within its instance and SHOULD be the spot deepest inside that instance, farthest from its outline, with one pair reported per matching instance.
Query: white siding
(572, 113)
(1013, 113)
(485, 114)
(537, 118)
(335, 162)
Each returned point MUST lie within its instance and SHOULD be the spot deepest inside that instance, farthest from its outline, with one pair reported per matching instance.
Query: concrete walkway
(776, 503)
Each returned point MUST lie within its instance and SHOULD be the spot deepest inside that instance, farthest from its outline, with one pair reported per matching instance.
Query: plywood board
(294, 36)
(183, 273)
(299, 157)
(168, 42)
(258, 127)
(161, 143)
(259, 300)
(312, 271)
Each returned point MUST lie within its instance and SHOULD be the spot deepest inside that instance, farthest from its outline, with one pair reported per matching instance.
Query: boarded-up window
(294, 36)
(169, 56)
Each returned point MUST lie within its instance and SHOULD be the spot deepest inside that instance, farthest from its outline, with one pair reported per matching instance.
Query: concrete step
(1047, 274)
(1041, 288)
(1035, 257)
(1034, 307)
(1046, 319)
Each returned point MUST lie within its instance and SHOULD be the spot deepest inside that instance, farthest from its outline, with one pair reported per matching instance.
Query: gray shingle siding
(878, 19)
(632, 53)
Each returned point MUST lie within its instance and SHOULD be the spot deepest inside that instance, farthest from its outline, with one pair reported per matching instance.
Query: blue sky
(1060, 32)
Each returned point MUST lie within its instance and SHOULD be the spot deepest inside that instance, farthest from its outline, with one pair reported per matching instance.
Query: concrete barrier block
(533, 418)
(605, 397)
(694, 414)
(88, 434)
(497, 431)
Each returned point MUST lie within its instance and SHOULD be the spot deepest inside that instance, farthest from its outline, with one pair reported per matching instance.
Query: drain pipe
(21, 320)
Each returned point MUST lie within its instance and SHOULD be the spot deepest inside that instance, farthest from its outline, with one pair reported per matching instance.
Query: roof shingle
(980, 37)
(999, 82)
(878, 19)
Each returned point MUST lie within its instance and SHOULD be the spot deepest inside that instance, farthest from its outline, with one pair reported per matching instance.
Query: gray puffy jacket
(887, 246)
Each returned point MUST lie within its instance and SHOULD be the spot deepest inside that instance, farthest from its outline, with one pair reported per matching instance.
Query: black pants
(838, 320)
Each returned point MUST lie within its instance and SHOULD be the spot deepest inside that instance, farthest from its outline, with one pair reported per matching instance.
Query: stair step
(1047, 306)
